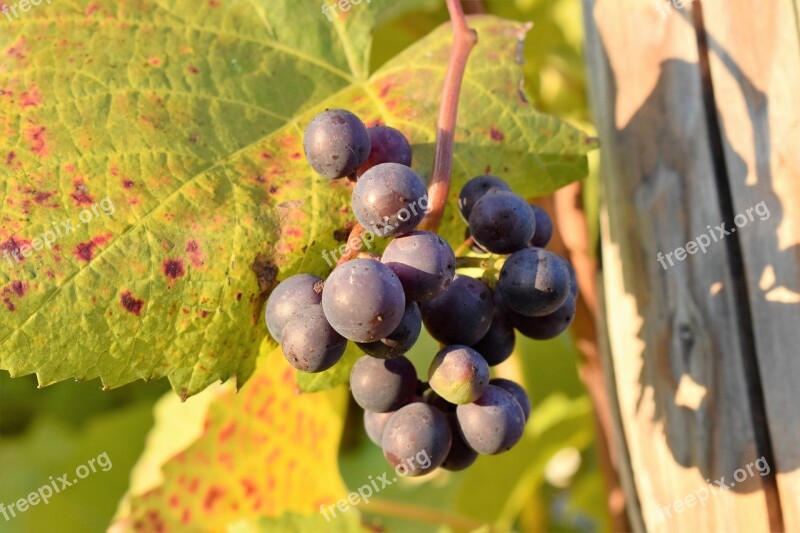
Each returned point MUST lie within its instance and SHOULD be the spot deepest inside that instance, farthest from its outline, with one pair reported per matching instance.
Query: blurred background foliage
(550, 482)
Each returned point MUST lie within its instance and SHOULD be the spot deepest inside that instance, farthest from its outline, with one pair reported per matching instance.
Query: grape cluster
(381, 303)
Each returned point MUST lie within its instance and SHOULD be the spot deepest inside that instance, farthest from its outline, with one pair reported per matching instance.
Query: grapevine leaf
(265, 451)
(167, 140)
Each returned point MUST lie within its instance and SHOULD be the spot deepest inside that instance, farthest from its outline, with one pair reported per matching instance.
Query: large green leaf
(188, 118)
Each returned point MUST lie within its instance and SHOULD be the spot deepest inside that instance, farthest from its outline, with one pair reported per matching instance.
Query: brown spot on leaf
(19, 288)
(10, 157)
(30, 98)
(213, 495)
(128, 183)
(130, 303)
(84, 251)
(12, 248)
(192, 69)
(173, 268)
(266, 273)
(496, 134)
(41, 197)
(81, 195)
(37, 138)
(195, 254)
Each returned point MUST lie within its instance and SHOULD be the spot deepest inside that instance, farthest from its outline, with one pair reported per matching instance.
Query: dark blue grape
(493, 423)
(461, 455)
(336, 143)
(474, 190)
(375, 423)
(545, 327)
(401, 339)
(424, 262)
(309, 343)
(416, 439)
(383, 385)
(502, 222)
(516, 391)
(544, 228)
(534, 282)
(498, 343)
(474, 246)
(460, 315)
(458, 374)
(390, 199)
(388, 146)
(291, 295)
(363, 300)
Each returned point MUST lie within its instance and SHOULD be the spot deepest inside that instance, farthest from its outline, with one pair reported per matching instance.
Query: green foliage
(55, 443)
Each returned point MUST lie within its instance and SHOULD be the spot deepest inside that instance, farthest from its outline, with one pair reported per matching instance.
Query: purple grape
(458, 374)
(460, 315)
(461, 455)
(388, 146)
(291, 295)
(545, 327)
(493, 423)
(474, 190)
(516, 391)
(534, 282)
(336, 143)
(309, 343)
(498, 343)
(390, 199)
(417, 438)
(401, 339)
(502, 222)
(363, 300)
(424, 262)
(375, 423)
(544, 228)
(383, 385)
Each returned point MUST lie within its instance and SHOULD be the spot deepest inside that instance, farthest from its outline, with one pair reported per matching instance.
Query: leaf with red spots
(154, 186)
(224, 457)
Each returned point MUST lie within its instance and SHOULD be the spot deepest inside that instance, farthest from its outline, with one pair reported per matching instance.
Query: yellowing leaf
(263, 452)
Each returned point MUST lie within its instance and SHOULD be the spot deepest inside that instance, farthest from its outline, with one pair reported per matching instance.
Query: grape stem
(464, 40)
(351, 251)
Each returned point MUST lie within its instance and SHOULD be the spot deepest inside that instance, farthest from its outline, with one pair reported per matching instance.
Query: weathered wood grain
(678, 353)
(754, 52)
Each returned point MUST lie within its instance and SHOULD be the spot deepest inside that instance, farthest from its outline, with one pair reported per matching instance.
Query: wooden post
(698, 111)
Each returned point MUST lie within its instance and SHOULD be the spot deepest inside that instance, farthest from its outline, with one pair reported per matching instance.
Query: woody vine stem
(464, 40)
